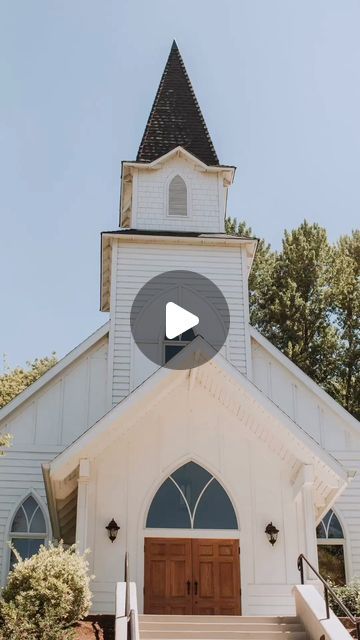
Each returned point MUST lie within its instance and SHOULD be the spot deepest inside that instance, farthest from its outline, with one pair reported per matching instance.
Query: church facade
(218, 472)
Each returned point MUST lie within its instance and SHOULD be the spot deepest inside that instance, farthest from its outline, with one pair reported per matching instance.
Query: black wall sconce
(272, 533)
(112, 529)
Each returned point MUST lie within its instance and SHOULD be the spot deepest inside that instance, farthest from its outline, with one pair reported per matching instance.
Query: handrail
(132, 625)
(129, 613)
(126, 625)
(127, 585)
(327, 590)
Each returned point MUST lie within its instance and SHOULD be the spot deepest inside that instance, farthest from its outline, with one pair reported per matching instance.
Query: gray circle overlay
(195, 293)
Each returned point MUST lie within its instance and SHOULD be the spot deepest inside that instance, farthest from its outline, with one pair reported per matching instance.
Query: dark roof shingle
(175, 118)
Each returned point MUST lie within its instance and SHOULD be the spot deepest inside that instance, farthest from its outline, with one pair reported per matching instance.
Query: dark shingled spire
(175, 118)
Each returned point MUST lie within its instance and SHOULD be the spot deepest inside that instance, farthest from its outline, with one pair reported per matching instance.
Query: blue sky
(278, 83)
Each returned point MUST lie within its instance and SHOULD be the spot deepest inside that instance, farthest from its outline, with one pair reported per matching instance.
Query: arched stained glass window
(28, 529)
(172, 347)
(191, 498)
(329, 527)
(177, 197)
(331, 548)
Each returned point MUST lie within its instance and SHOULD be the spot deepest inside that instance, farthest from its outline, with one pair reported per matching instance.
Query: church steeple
(175, 118)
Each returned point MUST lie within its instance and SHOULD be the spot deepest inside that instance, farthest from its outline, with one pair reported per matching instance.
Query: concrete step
(168, 627)
(252, 632)
(150, 617)
(153, 628)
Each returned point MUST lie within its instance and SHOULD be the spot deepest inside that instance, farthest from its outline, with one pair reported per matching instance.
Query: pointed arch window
(28, 529)
(172, 347)
(331, 548)
(177, 197)
(191, 498)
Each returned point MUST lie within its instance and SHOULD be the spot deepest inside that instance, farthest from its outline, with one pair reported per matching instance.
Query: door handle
(196, 587)
(188, 584)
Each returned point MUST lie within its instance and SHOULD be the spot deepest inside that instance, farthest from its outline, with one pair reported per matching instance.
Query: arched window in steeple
(331, 548)
(177, 197)
(28, 529)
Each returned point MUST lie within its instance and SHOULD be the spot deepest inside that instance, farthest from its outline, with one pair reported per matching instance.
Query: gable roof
(175, 118)
(58, 368)
(257, 414)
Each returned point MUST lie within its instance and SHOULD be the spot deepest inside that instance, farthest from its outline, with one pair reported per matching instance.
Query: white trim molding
(82, 504)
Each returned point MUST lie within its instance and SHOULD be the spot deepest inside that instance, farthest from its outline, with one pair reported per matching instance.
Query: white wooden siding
(43, 425)
(197, 427)
(205, 199)
(137, 263)
(66, 406)
(20, 471)
(327, 427)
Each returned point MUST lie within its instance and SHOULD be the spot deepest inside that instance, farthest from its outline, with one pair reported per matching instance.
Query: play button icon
(178, 320)
(171, 310)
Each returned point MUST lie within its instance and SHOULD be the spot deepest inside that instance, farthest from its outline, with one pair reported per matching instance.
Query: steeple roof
(175, 118)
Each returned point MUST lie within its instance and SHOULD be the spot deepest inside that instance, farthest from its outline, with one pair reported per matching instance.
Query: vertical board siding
(66, 406)
(327, 428)
(298, 401)
(137, 263)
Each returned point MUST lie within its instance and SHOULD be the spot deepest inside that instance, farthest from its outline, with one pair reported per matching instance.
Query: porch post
(82, 504)
(304, 489)
(309, 519)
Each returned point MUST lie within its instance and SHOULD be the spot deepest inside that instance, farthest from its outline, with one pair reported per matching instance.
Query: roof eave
(107, 238)
(161, 160)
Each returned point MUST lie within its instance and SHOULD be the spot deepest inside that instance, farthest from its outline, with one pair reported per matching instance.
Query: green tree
(261, 274)
(298, 319)
(346, 309)
(15, 380)
(292, 299)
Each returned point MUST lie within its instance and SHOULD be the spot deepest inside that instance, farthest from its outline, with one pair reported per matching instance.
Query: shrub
(349, 594)
(45, 595)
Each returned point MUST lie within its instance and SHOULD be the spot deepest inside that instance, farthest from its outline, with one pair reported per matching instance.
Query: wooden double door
(192, 576)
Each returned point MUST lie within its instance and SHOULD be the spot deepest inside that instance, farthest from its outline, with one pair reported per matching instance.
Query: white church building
(193, 462)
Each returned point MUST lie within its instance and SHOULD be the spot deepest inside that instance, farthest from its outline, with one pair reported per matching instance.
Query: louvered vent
(177, 197)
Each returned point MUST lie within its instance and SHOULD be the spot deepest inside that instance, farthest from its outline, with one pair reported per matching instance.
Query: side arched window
(28, 529)
(191, 498)
(177, 197)
(331, 548)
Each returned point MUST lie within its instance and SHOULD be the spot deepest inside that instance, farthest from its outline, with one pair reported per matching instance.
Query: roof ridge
(161, 135)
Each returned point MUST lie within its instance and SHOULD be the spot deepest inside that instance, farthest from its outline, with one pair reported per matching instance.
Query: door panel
(168, 574)
(216, 571)
(185, 576)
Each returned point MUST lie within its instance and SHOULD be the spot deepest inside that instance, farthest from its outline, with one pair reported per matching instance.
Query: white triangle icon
(178, 320)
